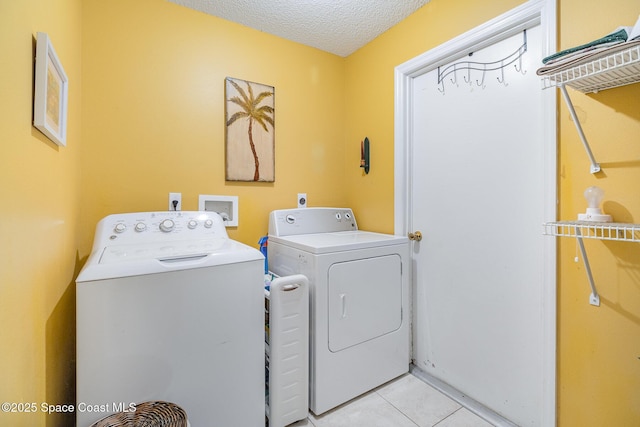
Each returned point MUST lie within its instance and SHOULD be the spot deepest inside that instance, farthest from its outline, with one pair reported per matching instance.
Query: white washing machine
(169, 308)
(359, 299)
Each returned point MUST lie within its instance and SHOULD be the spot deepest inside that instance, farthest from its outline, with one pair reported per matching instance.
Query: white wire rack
(594, 230)
(617, 69)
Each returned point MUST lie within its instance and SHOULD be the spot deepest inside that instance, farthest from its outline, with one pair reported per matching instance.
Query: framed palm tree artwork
(249, 131)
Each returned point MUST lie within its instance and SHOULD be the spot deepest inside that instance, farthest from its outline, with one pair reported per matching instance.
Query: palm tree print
(252, 110)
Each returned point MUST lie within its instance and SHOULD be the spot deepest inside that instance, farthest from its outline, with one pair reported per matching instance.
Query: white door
(479, 172)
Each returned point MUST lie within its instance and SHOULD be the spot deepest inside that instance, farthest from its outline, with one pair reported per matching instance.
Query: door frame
(531, 13)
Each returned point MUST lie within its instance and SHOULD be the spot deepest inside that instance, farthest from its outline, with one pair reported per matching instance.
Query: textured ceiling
(337, 26)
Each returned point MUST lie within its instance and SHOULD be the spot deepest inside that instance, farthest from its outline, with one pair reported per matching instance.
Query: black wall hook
(364, 155)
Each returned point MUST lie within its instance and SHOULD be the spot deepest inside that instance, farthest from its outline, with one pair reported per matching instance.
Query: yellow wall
(39, 221)
(598, 348)
(153, 121)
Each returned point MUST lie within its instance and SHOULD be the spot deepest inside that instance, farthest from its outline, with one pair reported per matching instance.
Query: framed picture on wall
(51, 92)
(249, 131)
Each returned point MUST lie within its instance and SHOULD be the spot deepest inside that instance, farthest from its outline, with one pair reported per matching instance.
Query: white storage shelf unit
(287, 350)
(620, 68)
(593, 230)
(617, 69)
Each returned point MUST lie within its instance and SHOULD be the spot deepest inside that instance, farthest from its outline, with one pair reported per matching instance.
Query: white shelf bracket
(595, 167)
(594, 298)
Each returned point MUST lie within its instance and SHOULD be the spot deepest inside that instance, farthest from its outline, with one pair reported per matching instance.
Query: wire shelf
(617, 69)
(594, 230)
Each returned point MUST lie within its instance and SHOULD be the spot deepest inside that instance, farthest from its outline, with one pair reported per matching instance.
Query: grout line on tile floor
(398, 409)
(448, 416)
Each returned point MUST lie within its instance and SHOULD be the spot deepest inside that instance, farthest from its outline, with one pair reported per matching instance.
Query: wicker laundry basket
(147, 414)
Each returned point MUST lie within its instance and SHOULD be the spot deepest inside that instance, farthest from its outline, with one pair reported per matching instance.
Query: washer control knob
(167, 225)
(141, 226)
(347, 215)
(119, 228)
(192, 224)
(338, 216)
(208, 223)
(290, 219)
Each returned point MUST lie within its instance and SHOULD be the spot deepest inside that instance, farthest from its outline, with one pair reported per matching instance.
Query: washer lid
(169, 250)
(160, 257)
(321, 243)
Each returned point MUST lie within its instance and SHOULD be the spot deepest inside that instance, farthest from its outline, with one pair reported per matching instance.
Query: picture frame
(249, 131)
(51, 92)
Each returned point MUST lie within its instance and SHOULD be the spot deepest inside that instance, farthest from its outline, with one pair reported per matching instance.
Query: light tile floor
(404, 402)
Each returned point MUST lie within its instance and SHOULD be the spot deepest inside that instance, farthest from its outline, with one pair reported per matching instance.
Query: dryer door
(365, 300)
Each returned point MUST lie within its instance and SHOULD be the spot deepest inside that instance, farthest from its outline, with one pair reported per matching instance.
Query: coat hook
(467, 78)
(454, 80)
(502, 72)
(484, 73)
(440, 81)
(518, 66)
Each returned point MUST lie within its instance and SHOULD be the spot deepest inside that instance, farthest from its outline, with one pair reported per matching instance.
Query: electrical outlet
(302, 200)
(175, 201)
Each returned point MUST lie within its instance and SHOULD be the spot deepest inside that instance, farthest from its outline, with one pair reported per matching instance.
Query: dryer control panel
(149, 227)
(287, 222)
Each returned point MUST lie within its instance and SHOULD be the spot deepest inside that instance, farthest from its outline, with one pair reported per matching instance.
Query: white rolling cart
(287, 350)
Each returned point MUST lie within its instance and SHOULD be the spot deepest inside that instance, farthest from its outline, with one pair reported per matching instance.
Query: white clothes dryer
(169, 308)
(359, 299)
